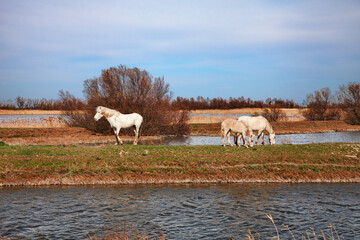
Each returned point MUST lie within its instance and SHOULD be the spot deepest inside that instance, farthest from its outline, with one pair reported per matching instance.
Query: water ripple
(180, 212)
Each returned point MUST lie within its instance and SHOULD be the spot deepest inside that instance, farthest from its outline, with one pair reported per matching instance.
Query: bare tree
(132, 90)
(349, 100)
(320, 106)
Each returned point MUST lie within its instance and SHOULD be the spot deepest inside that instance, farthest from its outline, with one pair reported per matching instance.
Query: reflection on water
(280, 139)
(180, 211)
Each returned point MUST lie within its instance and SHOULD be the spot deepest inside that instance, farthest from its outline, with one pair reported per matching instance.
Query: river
(280, 139)
(222, 211)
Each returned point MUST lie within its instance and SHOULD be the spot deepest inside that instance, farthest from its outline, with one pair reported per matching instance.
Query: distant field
(288, 111)
(30, 112)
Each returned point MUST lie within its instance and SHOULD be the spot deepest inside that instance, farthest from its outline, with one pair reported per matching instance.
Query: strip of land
(81, 136)
(30, 112)
(128, 164)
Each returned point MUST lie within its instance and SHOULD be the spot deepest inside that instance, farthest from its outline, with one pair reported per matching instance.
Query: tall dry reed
(42, 122)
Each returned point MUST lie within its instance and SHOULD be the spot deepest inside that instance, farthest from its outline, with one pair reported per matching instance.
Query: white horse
(237, 127)
(118, 120)
(260, 124)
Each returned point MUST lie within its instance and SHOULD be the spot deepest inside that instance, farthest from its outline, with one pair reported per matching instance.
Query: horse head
(272, 138)
(98, 114)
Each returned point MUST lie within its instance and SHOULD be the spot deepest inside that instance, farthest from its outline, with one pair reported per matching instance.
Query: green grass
(311, 161)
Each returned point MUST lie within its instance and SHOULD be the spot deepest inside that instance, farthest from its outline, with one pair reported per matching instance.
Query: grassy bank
(128, 164)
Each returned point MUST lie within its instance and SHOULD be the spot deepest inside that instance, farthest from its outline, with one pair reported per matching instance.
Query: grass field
(128, 164)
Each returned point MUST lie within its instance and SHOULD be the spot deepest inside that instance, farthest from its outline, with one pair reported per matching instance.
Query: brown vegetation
(349, 98)
(128, 90)
(30, 112)
(48, 122)
(320, 107)
(231, 103)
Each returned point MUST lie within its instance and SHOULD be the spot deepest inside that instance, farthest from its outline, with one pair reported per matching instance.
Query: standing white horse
(260, 124)
(118, 120)
(238, 127)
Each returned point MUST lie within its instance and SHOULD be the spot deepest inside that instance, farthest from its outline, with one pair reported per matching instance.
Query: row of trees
(179, 103)
(221, 103)
(39, 104)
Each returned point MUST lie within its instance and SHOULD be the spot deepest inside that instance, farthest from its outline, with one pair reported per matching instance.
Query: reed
(331, 234)
(42, 122)
(126, 235)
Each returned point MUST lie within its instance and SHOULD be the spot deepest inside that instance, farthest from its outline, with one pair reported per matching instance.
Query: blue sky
(257, 49)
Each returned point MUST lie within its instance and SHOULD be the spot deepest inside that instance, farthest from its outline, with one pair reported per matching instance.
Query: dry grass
(222, 114)
(331, 234)
(288, 111)
(126, 235)
(30, 112)
(128, 164)
(46, 122)
(209, 119)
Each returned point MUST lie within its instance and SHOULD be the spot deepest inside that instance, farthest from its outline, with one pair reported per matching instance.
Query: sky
(257, 49)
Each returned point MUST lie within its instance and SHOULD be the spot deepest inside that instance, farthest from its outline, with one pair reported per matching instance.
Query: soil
(62, 136)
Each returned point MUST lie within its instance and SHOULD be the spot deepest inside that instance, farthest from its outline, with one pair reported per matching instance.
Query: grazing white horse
(237, 127)
(260, 124)
(118, 120)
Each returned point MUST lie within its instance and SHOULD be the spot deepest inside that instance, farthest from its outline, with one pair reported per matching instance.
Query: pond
(219, 211)
(280, 139)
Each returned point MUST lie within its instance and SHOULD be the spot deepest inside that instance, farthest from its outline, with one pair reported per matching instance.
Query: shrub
(349, 100)
(320, 106)
(129, 90)
(274, 114)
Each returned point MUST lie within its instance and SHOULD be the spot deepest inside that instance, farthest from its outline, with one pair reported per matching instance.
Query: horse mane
(107, 112)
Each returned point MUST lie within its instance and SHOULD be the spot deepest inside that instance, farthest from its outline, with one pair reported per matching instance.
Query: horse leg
(262, 135)
(228, 137)
(244, 137)
(116, 136)
(257, 137)
(136, 130)
(240, 136)
(119, 141)
(223, 136)
(237, 139)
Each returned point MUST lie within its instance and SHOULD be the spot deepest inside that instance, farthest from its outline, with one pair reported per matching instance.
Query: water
(181, 211)
(280, 139)
(26, 117)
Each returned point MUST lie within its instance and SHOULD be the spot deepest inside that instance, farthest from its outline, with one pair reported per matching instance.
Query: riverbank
(81, 136)
(128, 164)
